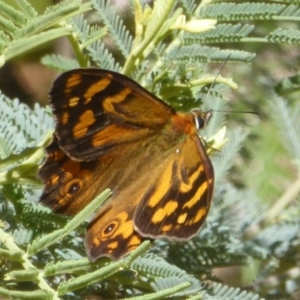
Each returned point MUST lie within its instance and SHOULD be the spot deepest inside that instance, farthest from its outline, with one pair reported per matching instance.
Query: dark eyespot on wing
(63, 180)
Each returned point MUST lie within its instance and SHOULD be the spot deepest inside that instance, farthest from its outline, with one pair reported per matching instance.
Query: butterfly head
(201, 118)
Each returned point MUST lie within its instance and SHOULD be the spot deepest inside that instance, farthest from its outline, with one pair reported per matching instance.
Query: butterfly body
(112, 133)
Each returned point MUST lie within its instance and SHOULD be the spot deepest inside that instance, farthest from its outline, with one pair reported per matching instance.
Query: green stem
(8, 240)
(139, 49)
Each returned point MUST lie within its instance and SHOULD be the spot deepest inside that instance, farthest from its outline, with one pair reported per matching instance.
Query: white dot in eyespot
(177, 151)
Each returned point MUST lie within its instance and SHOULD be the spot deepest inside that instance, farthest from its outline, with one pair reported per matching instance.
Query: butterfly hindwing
(173, 202)
(111, 231)
(66, 181)
(177, 205)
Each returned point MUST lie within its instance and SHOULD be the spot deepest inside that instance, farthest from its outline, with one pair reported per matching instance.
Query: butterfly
(112, 133)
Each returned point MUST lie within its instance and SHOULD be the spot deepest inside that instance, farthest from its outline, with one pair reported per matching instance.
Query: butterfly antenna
(213, 83)
(219, 72)
(239, 112)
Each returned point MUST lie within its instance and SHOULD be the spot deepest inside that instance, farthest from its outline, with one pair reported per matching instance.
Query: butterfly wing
(176, 206)
(68, 184)
(169, 196)
(97, 110)
(100, 118)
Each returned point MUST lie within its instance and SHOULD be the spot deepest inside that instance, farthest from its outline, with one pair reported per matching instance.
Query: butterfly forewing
(97, 110)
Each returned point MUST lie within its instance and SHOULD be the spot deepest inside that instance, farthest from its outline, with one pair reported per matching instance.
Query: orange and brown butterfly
(112, 133)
